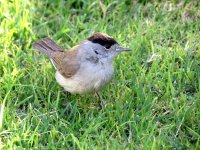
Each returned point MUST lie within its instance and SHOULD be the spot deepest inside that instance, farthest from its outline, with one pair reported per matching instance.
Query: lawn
(153, 101)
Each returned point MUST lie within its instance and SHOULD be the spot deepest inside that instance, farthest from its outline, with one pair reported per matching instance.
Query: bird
(86, 67)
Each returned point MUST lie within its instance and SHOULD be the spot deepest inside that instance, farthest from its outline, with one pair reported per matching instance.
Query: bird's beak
(120, 49)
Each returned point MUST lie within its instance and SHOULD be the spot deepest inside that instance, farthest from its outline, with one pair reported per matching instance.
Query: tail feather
(47, 46)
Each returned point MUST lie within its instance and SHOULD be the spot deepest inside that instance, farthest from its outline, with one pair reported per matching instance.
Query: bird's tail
(47, 46)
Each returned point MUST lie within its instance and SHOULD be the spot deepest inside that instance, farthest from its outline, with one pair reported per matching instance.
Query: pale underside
(89, 78)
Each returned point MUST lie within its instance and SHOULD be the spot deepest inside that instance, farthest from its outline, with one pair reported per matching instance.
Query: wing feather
(66, 62)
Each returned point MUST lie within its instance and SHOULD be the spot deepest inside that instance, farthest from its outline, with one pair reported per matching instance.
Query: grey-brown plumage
(85, 67)
(65, 61)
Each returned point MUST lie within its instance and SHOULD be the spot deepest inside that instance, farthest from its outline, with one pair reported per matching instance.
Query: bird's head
(102, 47)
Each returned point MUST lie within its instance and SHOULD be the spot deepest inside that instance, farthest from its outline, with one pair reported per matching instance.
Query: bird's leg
(101, 103)
(67, 108)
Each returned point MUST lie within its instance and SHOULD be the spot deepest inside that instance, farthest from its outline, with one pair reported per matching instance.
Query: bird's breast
(89, 78)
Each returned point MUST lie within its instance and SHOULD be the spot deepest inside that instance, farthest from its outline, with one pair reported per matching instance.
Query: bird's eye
(107, 46)
(96, 52)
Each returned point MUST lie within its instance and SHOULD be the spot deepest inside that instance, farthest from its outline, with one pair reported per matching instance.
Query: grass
(153, 101)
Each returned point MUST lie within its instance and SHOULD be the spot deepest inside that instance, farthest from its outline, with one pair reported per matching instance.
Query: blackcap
(86, 67)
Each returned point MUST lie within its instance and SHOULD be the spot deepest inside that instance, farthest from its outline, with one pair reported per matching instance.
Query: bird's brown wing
(66, 62)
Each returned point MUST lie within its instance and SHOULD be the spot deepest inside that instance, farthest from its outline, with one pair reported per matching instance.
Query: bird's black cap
(102, 39)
